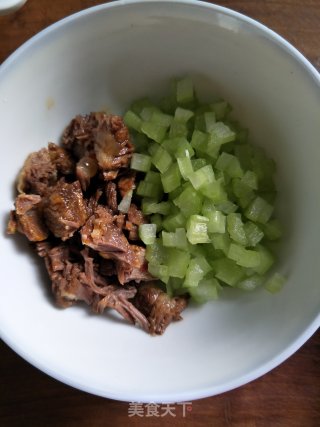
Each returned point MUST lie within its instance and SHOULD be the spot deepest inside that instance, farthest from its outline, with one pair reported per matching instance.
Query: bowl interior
(101, 59)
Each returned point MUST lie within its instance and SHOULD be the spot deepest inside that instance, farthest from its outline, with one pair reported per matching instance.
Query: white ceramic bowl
(103, 58)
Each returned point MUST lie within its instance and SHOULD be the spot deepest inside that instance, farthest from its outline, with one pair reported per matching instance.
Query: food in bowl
(206, 215)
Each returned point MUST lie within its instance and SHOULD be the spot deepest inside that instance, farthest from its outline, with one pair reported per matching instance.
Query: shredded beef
(67, 204)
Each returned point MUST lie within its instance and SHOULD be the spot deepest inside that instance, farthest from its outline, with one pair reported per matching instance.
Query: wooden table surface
(287, 396)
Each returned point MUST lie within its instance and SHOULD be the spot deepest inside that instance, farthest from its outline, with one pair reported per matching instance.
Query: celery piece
(214, 191)
(183, 115)
(227, 207)
(149, 189)
(147, 233)
(222, 133)
(244, 154)
(198, 163)
(259, 211)
(202, 177)
(185, 92)
(171, 179)
(217, 222)
(250, 283)
(178, 129)
(210, 120)
(199, 141)
(138, 105)
(272, 229)
(125, 203)
(244, 257)
(140, 162)
(156, 253)
(275, 283)
(198, 267)
(253, 233)
(161, 159)
(148, 111)
(197, 229)
(227, 271)
(207, 206)
(177, 262)
(189, 201)
(132, 120)
(174, 221)
(221, 109)
(185, 166)
(157, 219)
(206, 290)
(154, 131)
(240, 189)
(266, 260)
(158, 270)
(250, 179)
(178, 146)
(213, 147)
(221, 242)
(151, 206)
(176, 239)
(161, 118)
(229, 164)
(236, 229)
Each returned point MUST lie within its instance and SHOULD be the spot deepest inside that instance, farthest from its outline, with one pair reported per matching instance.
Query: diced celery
(149, 189)
(151, 206)
(157, 219)
(138, 105)
(222, 133)
(176, 239)
(185, 166)
(132, 120)
(199, 141)
(197, 269)
(197, 229)
(156, 253)
(250, 283)
(244, 257)
(161, 118)
(253, 233)
(202, 177)
(125, 203)
(148, 111)
(198, 163)
(275, 283)
(228, 271)
(207, 206)
(161, 159)
(183, 115)
(140, 162)
(236, 229)
(250, 179)
(221, 242)
(272, 229)
(185, 92)
(214, 191)
(177, 262)
(147, 233)
(141, 142)
(178, 129)
(189, 201)
(217, 222)
(266, 260)
(158, 270)
(213, 147)
(174, 221)
(259, 210)
(227, 207)
(210, 120)
(229, 164)
(153, 177)
(178, 146)
(154, 131)
(206, 290)
(221, 109)
(244, 154)
(171, 179)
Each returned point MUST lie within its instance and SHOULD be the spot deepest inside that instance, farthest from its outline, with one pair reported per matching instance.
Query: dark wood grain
(289, 396)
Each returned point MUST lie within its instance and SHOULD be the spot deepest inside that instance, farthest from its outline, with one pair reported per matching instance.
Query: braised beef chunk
(38, 172)
(64, 209)
(158, 307)
(67, 204)
(28, 217)
(101, 234)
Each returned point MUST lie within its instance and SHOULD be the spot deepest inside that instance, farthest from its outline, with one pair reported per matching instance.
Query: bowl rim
(266, 367)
